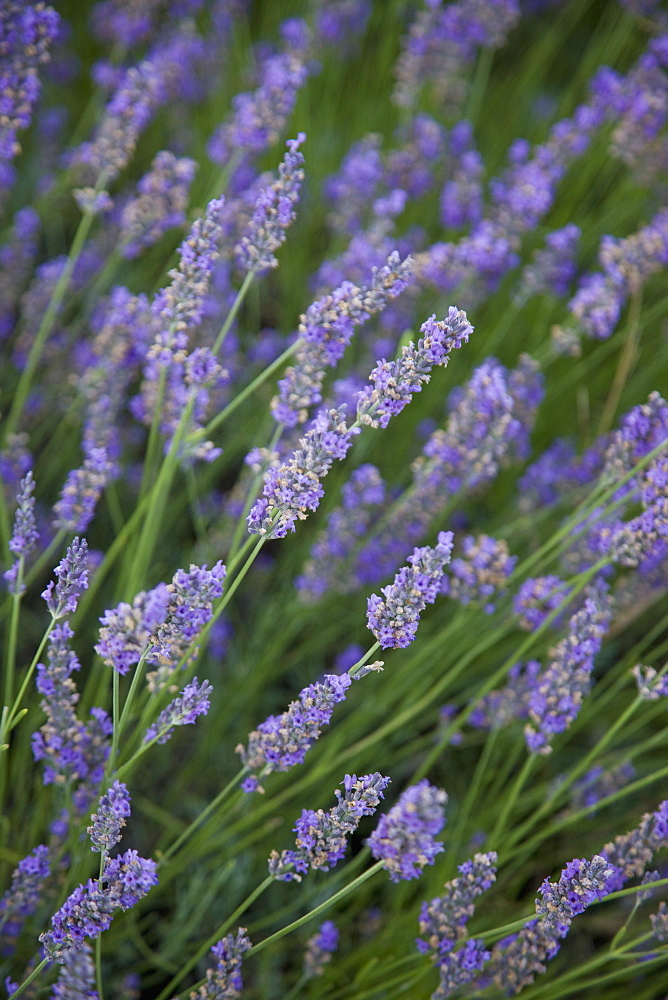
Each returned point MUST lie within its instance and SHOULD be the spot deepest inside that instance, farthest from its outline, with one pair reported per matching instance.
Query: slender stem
(203, 816)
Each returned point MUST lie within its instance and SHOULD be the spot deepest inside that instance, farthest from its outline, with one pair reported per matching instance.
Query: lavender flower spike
(281, 741)
(193, 701)
(394, 620)
(443, 920)
(112, 811)
(274, 212)
(25, 534)
(23, 896)
(404, 838)
(321, 837)
(62, 597)
(224, 981)
(394, 382)
(320, 948)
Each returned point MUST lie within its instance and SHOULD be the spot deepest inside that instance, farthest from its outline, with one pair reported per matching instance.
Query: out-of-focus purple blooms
(62, 597)
(537, 598)
(350, 191)
(641, 430)
(163, 622)
(499, 708)
(25, 534)
(23, 895)
(346, 525)
(461, 197)
(224, 982)
(292, 489)
(325, 330)
(395, 382)
(443, 920)
(660, 923)
(480, 572)
(651, 685)
(274, 213)
(558, 472)
(119, 23)
(394, 618)
(320, 948)
(281, 741)
(16, 261)
(422, 143)
(183, 711)
(338, 22)
(597, 784)
(551, 269)
(160, 204)
(77, 977)
(106, 824)
(73, 751)
(89, 910)
(259, 117)
(26, 32)
(643, 540)
(561, 688)
(460, 967)
(404, 838)
(597, 305)
(321, 836)
(630, 853)
(79, 496)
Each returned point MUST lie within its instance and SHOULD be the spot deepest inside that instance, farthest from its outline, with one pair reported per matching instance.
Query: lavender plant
(331, 327)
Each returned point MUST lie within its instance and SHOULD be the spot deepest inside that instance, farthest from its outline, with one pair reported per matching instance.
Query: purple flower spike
(107, 823)
(183, 711)
(224, 981)
(394, 620)
(320, 948)
(62, 597)
(404, 837)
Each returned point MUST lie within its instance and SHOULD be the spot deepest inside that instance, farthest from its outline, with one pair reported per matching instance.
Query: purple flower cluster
(404, 838)
(183, 711)
(17, 258)
(106, 824)
(79, 496)
(597, 784)
(274, 213)
(537, 598)
(77, 977)
(552, 269)
(160, 204)
(325, 330)
(163, 622)
(395, 382)
(394, 618)
(480, 572)
(23, 895)
(90, 908)
(560, 689)
(651, 685)
(224, 982)
(292, 489)
(62, 596)
(24, 536)
(580, 884)
(630, 853)
(281, 741)
(499, 708)
(26, 32)
(443, 920)
(321, 837)
(320, 948)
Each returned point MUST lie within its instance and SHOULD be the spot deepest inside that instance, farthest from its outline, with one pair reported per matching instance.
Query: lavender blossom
(162, 623)
(630, 853)
(107, 823)
(292, 489)
(395, 382)
(552, 269)
(350, 191)
(325, 330)
(394, 619)
(480, 573)
(537, 598)
(580, 884)
(25, 534)
(321, 837)
(444, 919)
(76, 979)
(23, 896)
(26, 32)
(184, 710)
(660, 923)
(89, 910)
(320, 948)
(561, 688)
(460, 967)
(651, 685)
(224, 982)
(76, 507)
(274, 213)
(502, 707)
(62, 597)
(17, 258)
(160, 204)
(281, 741)
(598, 784)
(404, 838)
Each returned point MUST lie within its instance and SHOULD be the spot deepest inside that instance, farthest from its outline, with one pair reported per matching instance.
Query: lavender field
(334, 499)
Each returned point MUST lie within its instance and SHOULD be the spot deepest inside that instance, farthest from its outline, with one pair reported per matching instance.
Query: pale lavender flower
(282, 741)
(89, 910)
(443, 920)
(326, 329)
(537, 598)
(183, 711)
(651, 686)
(321, 837)
(224, 982)
(160, 204)
(499, 708)
(480, 573)
(23, 895)
(404, 838)
(460, 967)
(62, 597)
(25, 534)
(337, 22)
(660, 923)
(17, 257)
(395, 382)
(78, 498)
(26, 32)
(461, 197)
(561, 688)
(553, 268)
(320, 948)
(630, 853)
(274, 213)
(292, 489)
(580, 884)
(107, 823)
(597, 784)
(350, 191)
(77, 978)
(394, 618)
